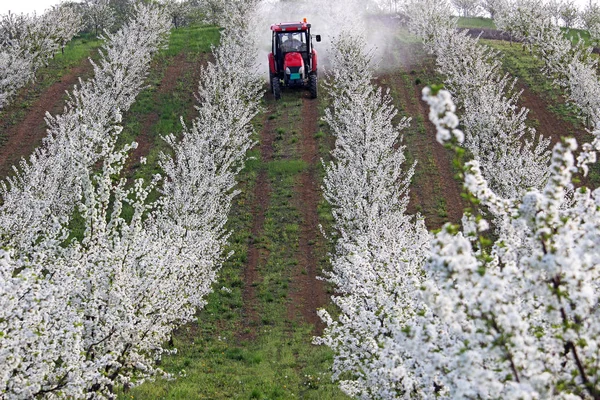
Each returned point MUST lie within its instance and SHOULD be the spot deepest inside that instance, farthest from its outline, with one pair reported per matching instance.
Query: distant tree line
(565, 13)
(110, 15)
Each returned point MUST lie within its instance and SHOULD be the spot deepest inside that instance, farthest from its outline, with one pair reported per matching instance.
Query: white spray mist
(327, 18)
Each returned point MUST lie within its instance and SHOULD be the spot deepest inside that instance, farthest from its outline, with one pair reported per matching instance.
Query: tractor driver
(290, 43)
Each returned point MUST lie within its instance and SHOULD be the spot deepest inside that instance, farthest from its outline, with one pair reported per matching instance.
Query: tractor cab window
(293, 41)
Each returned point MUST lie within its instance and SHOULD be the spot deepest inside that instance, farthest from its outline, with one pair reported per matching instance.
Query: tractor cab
(293, 60)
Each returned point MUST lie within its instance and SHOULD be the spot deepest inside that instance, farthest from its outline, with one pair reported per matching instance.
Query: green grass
(193, 39)
(576, 34)
(286, 167)
(476, 22)
(483, 22)
(224, 357)
(194, 42)
(221, 356)
(266, 368)
(77, 49)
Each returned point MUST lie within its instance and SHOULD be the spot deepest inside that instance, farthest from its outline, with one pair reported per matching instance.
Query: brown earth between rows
(307, 293)
(436, 185)
(549, 124)
(179, 69)
(21, 139)
(552, 126)
(257, 255)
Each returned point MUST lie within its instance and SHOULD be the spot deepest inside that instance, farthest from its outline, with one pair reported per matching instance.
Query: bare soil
(181, 69)
(451, 188)
(173, 73)
(551, 126)
(548, 123)
(435, 193)
(257, 254)
(307, 293)
(21, 139)
(196, 65)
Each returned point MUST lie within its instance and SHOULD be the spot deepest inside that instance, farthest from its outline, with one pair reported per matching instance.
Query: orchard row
(505, 305)
(84, 314)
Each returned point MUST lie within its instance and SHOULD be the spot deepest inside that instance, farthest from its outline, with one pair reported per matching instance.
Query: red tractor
(293, 61)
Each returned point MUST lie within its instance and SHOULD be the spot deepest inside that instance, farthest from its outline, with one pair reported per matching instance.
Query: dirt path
(21, 139)
(175, 71)
(549, 124)
(257, 254)
(179, 80)
(434, 192)
(307, 293)
(451, 188)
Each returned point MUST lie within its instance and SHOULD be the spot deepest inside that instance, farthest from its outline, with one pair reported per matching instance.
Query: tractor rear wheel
(276, 88)
(313, 84)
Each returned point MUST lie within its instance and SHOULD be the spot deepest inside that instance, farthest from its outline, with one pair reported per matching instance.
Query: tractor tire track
(257, 254)
(179, 69)
(434, 191)
(307, 292)
(451, 188)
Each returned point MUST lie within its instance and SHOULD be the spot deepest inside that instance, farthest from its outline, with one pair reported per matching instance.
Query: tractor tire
(276, 88)
(313, 84)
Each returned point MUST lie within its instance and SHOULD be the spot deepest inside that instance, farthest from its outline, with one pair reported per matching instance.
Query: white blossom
(375, 269)
(513, 157)
(116, 292)
(28, 42)
(465, 313)
(99, 15)
(44, 190)
(525, 306)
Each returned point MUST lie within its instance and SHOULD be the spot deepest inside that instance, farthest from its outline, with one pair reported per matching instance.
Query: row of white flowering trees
(465, 313)
(512, 156)
(79, 315)
(56, 305)
(570, 65)
(376, 269)
(27, 42)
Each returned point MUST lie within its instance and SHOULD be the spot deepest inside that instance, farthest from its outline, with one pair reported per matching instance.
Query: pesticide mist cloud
(328, 19)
